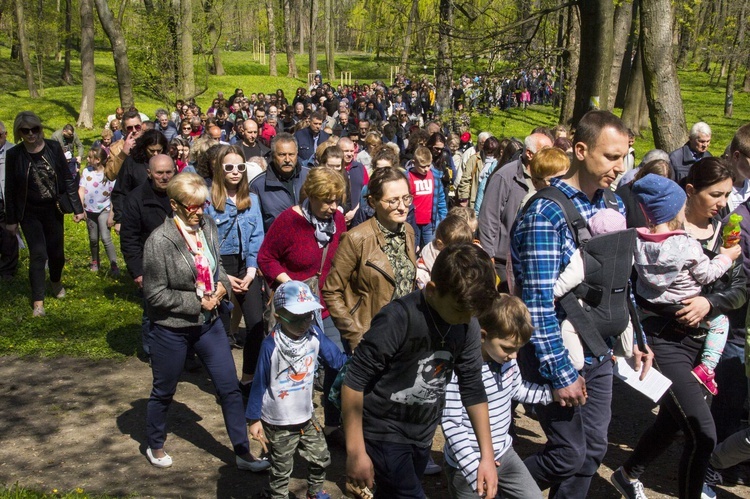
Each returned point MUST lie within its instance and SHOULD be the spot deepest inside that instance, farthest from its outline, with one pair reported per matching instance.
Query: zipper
(356, 305)
(383, 272)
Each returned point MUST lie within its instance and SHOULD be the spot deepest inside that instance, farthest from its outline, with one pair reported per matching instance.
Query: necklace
(434, 324)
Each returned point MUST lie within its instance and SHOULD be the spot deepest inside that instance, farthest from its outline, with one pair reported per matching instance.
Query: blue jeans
(576, 437)
(727, 407)
(398, 469)
(332, 416)
(168, 349)
(424, 235)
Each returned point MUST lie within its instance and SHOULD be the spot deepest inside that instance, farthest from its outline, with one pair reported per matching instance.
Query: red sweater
(290, 246)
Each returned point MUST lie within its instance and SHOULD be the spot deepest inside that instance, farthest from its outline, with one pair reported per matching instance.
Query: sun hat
(296, 298)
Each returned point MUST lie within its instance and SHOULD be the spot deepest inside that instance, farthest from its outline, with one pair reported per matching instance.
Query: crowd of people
(420, 278)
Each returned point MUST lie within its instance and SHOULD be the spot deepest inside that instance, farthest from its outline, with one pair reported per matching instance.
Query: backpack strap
(577, 225)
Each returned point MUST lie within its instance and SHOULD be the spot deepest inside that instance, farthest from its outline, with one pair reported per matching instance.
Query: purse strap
(323, 260)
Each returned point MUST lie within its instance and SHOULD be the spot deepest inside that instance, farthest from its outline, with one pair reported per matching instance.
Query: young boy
(394, 388)
(280, 408)
(426, 185)
(506, 327)
(452, 230)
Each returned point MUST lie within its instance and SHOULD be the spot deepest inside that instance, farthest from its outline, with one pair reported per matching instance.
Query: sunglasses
(27, 131)
(193, 208)
(298, 319)
(130, 128)
(229, 167)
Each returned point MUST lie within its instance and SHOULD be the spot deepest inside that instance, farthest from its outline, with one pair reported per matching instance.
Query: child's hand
(256, 431)
(734, 252)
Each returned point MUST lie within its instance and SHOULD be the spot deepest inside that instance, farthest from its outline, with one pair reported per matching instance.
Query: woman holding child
(679, 341)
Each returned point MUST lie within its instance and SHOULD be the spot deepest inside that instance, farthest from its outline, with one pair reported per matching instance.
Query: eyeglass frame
(26, 130)
(240, 167)
(193, 208)
(392, 204)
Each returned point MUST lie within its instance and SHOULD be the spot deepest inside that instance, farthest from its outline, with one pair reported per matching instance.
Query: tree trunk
(23, 44)
(217, 67)
(328, 20)
(444, 69)
(88, 77)
(66, 76)
(300, 10)
(660, 76)
(312, 55)
(633, 109)
(746, 83)
(739, 39)
(628, 58)
(185, 70)
(272, 71)
(592, 83)
(119, 53)
(413, 15)
(289, 46)
(623, 21)
(572, 58)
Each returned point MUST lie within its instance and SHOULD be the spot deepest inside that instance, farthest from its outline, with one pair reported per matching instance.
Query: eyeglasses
(298, 319)
(27, 131)
(393, 203)
(130, 128)
(187, 127)
(229, 167)
(194, 207)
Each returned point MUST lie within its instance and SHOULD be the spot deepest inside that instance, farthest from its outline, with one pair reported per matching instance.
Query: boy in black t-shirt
(394, 389)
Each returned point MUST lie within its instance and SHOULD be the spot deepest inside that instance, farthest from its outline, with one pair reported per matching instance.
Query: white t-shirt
(97, 190)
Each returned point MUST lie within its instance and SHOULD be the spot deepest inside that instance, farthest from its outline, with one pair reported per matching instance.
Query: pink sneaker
(706, 377)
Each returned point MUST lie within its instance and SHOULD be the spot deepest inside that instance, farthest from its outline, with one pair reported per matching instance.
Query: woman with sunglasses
(36, 176)
(184, 285)
(236, 212)
(185, 130)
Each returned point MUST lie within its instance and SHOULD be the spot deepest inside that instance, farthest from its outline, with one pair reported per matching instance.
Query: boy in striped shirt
(506, 327)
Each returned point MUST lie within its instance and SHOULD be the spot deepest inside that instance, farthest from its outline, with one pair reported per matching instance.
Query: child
(468, 215)
(280, 407)
(506, 327)
(95, 191)
(672, 267)
(452, 230)
(603, 222)
(425, 184)
(393, 392)
(544, 166)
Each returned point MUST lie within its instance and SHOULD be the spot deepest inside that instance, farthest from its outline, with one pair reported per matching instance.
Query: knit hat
(296, 298)
(661, 199)
(606, 221)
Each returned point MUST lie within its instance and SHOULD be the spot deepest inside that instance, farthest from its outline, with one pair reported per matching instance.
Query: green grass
(100, 317)
(16, 492)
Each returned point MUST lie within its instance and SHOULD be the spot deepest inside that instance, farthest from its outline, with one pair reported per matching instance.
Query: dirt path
(68, 423)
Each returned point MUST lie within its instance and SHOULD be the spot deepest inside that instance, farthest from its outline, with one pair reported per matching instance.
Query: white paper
(653, 386)
(21, 245)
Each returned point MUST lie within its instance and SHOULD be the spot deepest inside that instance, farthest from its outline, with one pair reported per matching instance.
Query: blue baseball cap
(296, 298)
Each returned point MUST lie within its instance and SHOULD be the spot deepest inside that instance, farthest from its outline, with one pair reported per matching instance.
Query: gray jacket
(169, 275)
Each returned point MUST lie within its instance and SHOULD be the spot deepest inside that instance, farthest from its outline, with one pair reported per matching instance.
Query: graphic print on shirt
(433, 374)
(421, 187)
(292, 378)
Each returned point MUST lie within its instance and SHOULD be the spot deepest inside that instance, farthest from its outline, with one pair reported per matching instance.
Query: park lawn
(17, 492)
(100, 317)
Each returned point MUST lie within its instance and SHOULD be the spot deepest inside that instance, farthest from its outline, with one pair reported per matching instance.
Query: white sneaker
(432, 467)
(159, 462)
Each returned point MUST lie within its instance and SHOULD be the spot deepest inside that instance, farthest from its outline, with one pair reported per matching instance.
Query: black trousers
(8, 253)
(44, 230)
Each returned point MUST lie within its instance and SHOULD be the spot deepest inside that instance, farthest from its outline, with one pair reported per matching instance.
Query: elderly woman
(301, 244)
(185, 285)
(36, 178)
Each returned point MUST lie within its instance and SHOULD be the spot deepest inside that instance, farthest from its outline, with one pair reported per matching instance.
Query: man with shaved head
(358, 176)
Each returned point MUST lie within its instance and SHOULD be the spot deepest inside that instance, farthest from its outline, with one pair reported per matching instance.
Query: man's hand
(12, 228)
(487, 478)
(572, 395)
(128, 144)
(645, 359)
(139, 281)
(360, 471)
(694, 311)
(79, 217)
(117, 229)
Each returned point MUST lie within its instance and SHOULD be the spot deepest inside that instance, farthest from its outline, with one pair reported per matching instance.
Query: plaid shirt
(541, 247)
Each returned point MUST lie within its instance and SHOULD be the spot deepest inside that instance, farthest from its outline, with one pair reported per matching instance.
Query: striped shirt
(541, 247)
(503, 383)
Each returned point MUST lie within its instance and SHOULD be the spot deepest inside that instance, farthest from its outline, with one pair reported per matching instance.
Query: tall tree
(272, 71)
(185, 69)
(571, 62)
(217, 67)
(660, 76)
(88, 78)
(739, 40)
(66, 76)
(23, 44)
(592, 82)
(119, 52)
(313, 49)
(413, 18)
(635, 107)
(288, 43)
(329, 34)
(622, 22)
(444, 69)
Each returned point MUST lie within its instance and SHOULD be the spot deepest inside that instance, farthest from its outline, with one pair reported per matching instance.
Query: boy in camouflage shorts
(280, 407)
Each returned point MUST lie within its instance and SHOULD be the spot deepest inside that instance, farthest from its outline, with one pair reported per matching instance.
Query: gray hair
(653, 155)
(161, 112)
(532, 142)
(700, 128)
(483, 136)
(283, 137)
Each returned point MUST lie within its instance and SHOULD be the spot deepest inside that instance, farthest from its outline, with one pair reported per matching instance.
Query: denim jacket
(250, 223)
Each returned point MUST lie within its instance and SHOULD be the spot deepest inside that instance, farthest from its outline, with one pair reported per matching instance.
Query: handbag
(63, 202)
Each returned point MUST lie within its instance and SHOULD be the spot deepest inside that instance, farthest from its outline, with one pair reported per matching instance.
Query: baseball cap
(295, 297)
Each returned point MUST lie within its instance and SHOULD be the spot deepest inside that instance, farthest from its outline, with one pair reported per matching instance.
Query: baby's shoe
(707, 378)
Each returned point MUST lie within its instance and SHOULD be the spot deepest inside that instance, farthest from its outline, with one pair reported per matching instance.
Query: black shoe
(738, 474)
(630, 490)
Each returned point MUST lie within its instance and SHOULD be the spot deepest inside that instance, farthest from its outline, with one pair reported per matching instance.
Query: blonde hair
(107, 133)
(423, 155)
(187, 188)
(218, 186)
(27, 118)
(323, 184)
(549, 162)
(467, 214)
(507, 317)
(332, 141)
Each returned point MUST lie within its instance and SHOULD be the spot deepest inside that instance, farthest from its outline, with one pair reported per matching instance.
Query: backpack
(605, 291)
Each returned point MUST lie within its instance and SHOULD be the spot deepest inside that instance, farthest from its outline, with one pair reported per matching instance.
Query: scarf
(291, 352)
(204, 277)
(324, 229)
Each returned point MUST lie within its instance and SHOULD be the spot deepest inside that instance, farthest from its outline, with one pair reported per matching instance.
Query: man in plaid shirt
(541, 247)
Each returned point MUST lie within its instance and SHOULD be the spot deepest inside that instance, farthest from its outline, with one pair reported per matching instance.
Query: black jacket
(144, 211)
(17, 164)
(131, 175)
